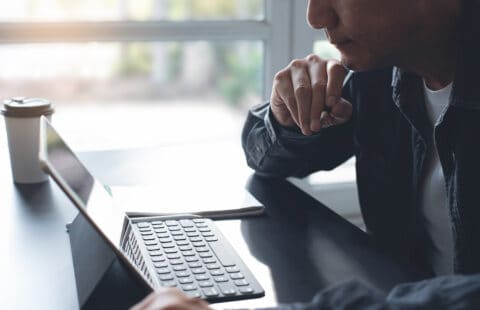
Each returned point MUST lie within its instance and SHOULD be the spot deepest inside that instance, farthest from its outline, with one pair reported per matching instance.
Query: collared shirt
(434, 203)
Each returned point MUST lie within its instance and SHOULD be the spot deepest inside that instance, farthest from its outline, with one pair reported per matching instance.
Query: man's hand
(170, 298)
(307, 93)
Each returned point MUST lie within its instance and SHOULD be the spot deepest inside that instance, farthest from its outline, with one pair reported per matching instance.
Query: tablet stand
(103, 281)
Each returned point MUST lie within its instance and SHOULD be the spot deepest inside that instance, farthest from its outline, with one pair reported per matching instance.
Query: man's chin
(358, 64)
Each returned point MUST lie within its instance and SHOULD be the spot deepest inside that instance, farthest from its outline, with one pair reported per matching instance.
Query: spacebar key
(223, 256)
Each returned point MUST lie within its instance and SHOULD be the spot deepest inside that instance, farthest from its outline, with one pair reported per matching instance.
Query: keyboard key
(168, 245)
(223, 256)
(211, 239)
(173, 256)
(182, 242)
(189, 287)
(170, 250)
(212, 266)
(171, 223)
(186, 223)
(227, 289)
(180, 237)
(163, 270)
(196, 239)
(186, 280)
(143, 225)
(204, 229)
(202, 224)
(191, 259)
(158, 223)
(160, 258)
(220, 279)
(169, 283)
(242, 282)
(193, 294)
(236, 276)
(174, 228)
(210, 292)
(150, 237)
(189, 229)
(199, 270)
(150, 242)
(246, 290)
(232, 269)
(163, 235)
(153, 247)
(210, 260)
(155, 253)
(176, 261)
(194, 265)
(179, 268)
(205, 255)
(185, 248)
(196, 221)
(160, 264)
(208, 234)
(182, 274)
(205, 283)
(199, 244)
(177, 233)
(202, 277)
(188, 253)
(165, 240)
(165, 277)
(193, 234)
(217, 272)
(202, 249)
(145, 233)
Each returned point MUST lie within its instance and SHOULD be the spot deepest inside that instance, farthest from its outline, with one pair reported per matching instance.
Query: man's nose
(320, 14)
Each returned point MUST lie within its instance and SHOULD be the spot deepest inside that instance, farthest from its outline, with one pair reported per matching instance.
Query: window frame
(283, 31)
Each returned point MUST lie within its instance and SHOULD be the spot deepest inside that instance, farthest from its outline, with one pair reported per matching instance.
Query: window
(189, 69)
(149, 57)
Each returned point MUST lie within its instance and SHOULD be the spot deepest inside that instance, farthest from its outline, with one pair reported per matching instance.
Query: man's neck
(436, 66)
(434, 58)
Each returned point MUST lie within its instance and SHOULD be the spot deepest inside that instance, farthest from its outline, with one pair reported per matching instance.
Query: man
(410, 114)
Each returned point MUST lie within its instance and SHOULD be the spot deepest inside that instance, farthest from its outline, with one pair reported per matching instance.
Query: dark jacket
(389, 134)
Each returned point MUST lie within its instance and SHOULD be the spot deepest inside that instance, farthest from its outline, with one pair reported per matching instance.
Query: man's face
(369, 33)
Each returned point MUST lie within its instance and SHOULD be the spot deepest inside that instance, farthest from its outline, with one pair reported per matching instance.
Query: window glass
(95, 10)
(191, 91)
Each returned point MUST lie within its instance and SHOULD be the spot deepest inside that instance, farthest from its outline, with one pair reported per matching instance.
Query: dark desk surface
(297, 248)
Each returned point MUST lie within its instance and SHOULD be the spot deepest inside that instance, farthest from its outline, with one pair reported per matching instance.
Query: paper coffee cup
(22, 121)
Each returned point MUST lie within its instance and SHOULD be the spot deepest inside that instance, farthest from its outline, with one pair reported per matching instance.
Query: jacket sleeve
(447, 292)
(274, 151)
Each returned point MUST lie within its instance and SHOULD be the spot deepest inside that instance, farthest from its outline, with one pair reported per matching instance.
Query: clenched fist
(307, 94)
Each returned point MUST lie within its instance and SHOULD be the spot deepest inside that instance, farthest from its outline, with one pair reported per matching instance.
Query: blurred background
(145, 73)
(187, 80)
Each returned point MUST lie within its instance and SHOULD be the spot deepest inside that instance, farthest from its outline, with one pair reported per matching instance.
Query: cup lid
(26, 107)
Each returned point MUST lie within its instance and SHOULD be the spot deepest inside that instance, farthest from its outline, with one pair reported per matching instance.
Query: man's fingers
(340, 113)
(336, 75)
(283, 99)
(318, 77)
(303, 93)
